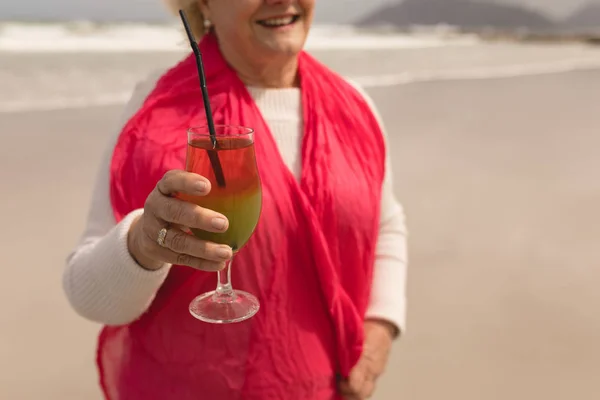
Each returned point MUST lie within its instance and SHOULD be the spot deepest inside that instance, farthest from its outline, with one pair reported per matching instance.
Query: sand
(500, 180)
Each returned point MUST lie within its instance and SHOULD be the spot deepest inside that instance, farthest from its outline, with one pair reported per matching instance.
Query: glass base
(224, 309)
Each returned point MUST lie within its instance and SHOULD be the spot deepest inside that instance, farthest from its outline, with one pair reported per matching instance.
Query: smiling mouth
(279, 21)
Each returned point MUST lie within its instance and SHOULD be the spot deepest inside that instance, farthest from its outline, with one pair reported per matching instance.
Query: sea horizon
(90, 36)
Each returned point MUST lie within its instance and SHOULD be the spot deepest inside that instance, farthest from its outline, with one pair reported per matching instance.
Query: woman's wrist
(390, 327)
(135, 251)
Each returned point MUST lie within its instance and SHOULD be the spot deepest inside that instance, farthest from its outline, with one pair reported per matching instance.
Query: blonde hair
(192, 12)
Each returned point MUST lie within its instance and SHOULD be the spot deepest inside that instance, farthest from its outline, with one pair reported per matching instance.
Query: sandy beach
(499, 175)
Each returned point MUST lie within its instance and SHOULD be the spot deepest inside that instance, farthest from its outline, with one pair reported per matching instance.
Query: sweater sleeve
(388, 294)
(102, 281)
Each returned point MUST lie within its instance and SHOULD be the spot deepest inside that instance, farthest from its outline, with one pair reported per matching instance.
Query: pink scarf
(310, 261)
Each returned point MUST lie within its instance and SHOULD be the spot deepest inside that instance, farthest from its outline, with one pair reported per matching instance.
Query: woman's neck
(278, 72)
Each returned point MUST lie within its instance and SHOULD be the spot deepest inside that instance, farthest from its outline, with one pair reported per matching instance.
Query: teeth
(278, 21)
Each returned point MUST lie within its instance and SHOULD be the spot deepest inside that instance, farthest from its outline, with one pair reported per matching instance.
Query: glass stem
(224, 290)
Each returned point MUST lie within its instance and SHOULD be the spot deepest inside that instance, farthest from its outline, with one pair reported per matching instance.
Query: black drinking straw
(212, 154)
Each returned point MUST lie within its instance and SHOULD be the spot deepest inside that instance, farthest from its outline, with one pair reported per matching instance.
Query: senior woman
(327, 260)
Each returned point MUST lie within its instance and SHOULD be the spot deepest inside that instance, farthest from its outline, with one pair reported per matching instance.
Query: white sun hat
(175, 5)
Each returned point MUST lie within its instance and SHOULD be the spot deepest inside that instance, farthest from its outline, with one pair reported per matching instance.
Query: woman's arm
(102, 282)
(388, 295)
(386, 315)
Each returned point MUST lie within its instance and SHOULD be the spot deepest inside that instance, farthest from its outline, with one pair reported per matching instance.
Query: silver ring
(162, 234)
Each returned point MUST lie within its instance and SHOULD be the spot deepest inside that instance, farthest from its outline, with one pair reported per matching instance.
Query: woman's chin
(284, 46)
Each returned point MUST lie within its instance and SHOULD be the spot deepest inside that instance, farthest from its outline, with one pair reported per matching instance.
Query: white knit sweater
(104, 283)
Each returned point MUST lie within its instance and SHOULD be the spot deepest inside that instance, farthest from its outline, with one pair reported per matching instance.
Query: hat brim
(172, 5)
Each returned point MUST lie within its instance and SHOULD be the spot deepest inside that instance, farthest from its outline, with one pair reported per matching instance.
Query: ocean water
(90, 37)
(75, 65)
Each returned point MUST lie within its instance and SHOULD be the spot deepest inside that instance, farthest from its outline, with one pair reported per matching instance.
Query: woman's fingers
(180, 242)
(176, 181)
(161, 205)
(153, 250)
(176, 246)
(171, 257)
(181, 212)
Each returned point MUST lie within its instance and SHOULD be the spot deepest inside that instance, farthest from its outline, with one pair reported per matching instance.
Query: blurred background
(493, 113)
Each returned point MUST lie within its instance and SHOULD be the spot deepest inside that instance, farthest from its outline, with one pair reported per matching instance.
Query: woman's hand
(164, 211)
(363, 377)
